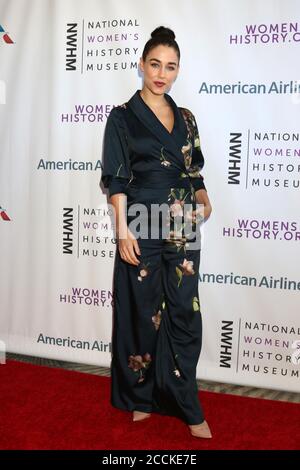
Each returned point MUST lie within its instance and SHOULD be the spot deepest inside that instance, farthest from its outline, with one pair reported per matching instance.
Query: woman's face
(161, 67)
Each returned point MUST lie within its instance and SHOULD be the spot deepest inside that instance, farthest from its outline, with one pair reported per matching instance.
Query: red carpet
(49, 408)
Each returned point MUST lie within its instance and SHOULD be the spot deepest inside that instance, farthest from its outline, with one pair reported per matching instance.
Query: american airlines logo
(3, 214)
(5, 37)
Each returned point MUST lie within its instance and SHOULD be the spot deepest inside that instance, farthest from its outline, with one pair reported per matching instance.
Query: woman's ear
(141, 64)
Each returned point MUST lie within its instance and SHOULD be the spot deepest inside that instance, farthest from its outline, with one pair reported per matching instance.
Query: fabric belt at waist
(156, 181)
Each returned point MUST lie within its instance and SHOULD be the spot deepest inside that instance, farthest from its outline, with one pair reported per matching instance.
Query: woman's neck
(152, 100)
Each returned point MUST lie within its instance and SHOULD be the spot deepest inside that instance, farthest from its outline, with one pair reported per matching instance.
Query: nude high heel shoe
(200, 430)
(140, 415)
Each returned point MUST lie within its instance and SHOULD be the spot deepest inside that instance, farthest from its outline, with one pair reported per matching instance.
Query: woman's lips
(159, 84)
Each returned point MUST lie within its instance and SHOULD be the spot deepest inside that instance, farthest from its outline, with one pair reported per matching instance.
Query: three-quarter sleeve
(197, 162)
(116, 171)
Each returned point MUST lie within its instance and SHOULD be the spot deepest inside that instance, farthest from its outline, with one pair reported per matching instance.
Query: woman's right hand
(128, 248)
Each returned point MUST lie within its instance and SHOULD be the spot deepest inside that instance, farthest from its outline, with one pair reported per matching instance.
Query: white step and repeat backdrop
(63, 65)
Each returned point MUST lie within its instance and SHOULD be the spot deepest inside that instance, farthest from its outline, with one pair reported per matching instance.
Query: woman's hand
(128, 248)
(127, 244)
(202, 198)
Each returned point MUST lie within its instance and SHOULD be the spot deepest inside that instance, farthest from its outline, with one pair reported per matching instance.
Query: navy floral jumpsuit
(157, 323)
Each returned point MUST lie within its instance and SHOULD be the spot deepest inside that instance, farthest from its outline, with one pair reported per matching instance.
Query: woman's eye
(156, 65)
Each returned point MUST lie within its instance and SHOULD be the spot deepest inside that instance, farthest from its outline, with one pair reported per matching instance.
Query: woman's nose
(161, 72)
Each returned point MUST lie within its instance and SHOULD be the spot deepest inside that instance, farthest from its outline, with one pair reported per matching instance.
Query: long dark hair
(161, 35)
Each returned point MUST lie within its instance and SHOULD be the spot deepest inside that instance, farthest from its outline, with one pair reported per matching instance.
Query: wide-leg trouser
(157, 332)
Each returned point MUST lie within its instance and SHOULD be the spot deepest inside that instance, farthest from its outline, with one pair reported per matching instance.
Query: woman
(152, 156)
